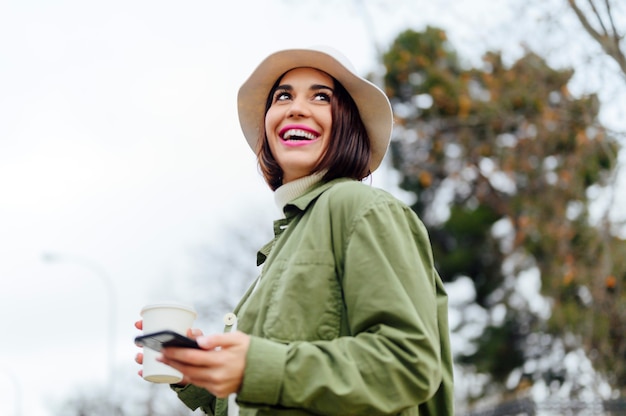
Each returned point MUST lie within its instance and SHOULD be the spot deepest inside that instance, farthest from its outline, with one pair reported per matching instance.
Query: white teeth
(299, 133)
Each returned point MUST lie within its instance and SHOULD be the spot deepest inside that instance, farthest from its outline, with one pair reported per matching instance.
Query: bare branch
(610, 16)
(609, 42)
(598, 16)
(616, 35)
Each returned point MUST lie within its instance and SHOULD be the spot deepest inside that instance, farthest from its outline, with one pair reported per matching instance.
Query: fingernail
(203, 341)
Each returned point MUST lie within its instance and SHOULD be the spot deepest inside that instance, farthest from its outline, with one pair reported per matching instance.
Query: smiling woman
(299, 120)
(349, 315)
(347, 154)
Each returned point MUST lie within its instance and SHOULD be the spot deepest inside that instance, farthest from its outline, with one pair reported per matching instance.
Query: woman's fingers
(225, 340)
(139, 355)
(218, 367)
(194, 333)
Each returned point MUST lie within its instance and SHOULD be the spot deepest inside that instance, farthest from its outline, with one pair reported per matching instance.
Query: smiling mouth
(298, 134)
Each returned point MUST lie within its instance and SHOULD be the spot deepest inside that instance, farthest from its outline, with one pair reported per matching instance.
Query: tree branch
(595, 11)
(609, 42)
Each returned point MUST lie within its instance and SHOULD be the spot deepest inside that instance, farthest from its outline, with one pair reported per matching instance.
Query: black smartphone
(162, 339)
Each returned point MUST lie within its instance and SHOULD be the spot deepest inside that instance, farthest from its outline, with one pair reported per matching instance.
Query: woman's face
(299, 121)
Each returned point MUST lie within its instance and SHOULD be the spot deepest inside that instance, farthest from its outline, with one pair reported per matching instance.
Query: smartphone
(162, 339)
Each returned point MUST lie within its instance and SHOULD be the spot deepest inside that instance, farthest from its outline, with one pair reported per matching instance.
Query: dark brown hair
(348, 152)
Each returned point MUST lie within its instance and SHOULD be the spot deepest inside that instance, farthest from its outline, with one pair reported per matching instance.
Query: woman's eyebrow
(320, 87)
(314, 87)
(284, 87)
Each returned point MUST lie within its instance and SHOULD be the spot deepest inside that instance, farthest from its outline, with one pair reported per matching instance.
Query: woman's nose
(298, 108)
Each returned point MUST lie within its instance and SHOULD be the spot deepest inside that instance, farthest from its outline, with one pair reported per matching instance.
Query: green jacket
(349, 316)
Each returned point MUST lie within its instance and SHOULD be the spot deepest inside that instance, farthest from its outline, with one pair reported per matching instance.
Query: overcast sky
(120, 149)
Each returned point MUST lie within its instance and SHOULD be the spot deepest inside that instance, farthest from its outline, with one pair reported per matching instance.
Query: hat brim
(372, 103)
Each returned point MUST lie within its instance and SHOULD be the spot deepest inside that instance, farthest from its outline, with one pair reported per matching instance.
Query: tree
(136, 398)
(223, 272)
(501, 160)
(599, 21)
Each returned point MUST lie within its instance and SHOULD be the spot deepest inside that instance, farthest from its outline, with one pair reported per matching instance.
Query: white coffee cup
(157, 317)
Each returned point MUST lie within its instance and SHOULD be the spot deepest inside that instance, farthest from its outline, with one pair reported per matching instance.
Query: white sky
(119, 145)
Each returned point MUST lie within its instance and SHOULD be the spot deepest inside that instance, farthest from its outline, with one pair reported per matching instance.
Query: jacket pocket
(305, 302)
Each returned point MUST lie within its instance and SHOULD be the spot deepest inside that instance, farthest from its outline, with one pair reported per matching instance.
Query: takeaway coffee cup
(158, 317)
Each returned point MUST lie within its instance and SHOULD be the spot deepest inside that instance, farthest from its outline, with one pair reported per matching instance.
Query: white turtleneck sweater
(291, 190)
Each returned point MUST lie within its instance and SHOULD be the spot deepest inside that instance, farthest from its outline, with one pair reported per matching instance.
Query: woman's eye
(322, 96)
(282, 96)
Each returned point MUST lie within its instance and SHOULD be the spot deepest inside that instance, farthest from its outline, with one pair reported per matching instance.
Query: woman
(348, 316)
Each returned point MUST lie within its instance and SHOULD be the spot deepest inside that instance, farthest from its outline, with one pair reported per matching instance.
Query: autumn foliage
(504, 163)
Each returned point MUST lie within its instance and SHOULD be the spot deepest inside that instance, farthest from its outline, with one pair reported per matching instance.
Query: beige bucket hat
(373, 104)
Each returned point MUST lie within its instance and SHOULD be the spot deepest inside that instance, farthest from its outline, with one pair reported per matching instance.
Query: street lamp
(101, 273)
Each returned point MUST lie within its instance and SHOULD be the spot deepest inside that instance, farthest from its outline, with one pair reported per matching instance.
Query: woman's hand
(191, 333)
(139, 356)
(218, 366)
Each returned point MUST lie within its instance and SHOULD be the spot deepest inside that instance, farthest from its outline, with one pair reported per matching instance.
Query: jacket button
(229, 319)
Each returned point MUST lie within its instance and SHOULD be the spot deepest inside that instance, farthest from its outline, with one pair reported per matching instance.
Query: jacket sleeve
(392, 359)
(195, 397)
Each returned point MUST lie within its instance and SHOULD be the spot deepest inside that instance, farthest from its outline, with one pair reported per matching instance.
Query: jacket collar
(292, 210)
(301, 203)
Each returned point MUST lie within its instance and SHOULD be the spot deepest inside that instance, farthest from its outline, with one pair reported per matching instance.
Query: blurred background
(125, 180)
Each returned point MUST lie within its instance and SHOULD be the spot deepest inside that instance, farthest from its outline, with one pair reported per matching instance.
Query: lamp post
(101, 274)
